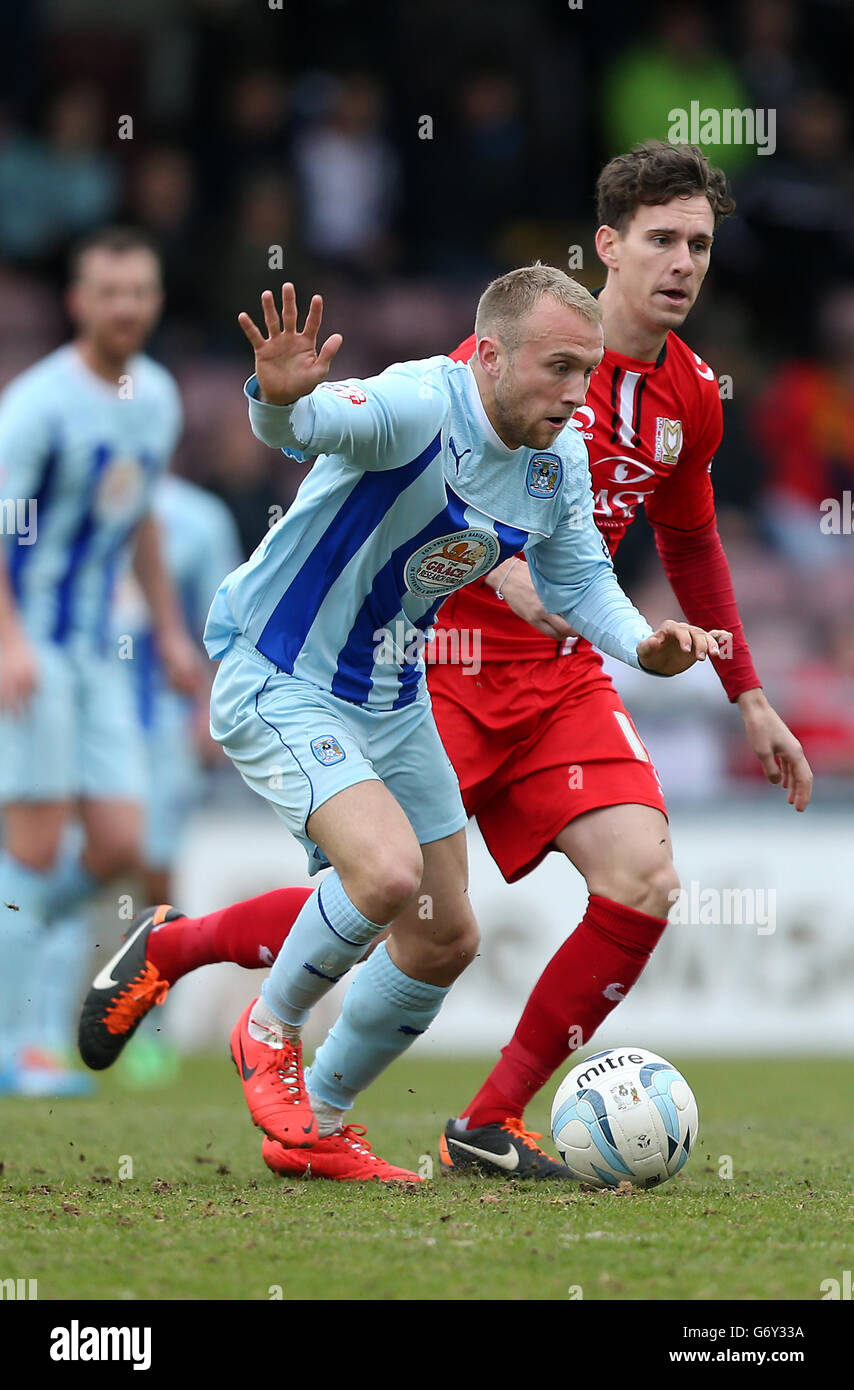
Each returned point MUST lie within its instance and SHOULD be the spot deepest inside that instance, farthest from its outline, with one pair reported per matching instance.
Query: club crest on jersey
(668, 440)
(354, 394)
(448, 562)
(544, 475)
(327, 750)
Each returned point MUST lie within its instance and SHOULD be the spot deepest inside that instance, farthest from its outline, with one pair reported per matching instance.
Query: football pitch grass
(202, 1218)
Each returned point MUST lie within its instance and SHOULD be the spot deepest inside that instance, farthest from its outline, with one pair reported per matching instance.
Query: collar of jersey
(471, 489)
(633, 364)
(92, 379)
(493, 439)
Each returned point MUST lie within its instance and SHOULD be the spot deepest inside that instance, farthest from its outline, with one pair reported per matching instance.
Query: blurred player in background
(200, 546)
(332, 725)
(84, 434)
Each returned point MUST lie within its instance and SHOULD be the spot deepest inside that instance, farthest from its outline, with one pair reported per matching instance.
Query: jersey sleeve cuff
(287, 427)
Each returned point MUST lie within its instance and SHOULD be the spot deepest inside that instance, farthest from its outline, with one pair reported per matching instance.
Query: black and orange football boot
(505, 1150)
(122, 992)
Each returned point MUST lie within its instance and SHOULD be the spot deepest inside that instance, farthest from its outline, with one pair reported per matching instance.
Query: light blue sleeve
(174, 414)
(573, 575)
(379, 423)
(26, 436)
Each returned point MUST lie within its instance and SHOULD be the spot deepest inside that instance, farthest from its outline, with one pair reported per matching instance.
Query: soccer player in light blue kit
(429, 475)
(83, 436)
(200, 545)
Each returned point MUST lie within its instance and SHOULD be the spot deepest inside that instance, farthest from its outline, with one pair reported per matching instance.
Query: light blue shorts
(78, 736)
(297, 746)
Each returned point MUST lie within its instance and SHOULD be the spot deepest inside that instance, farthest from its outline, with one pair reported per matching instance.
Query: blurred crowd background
(400, 156)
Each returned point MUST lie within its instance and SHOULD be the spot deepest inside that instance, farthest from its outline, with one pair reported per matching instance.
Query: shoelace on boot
(144, 991)
(354, 1135)
(285, 1061)
(515, 1127)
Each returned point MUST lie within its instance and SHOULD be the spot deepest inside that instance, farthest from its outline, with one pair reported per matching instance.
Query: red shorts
(535, 744)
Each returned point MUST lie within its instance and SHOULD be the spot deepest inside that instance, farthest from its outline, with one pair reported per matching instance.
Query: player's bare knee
(664, 889)
(449, 957)
(383, 888)
(655, 889)
(464, 950)
(37, 848)
(39, 859)
(649, 887)
(120, 855)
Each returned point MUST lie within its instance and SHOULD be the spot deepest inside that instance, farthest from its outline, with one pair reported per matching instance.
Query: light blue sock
(23, 893)
(328, 937)
(384, 1012)
(62, 960)
(70, 882)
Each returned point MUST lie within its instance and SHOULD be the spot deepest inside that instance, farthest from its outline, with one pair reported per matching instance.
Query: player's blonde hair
(506, 302)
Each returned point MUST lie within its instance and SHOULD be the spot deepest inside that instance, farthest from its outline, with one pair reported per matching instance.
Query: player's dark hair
(118, 240)
(653, 173)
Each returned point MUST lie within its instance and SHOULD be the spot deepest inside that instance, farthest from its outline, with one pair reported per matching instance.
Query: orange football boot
(274, 1086)
(345, 1156)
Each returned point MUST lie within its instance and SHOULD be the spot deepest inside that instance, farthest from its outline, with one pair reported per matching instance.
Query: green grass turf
(202, 1218)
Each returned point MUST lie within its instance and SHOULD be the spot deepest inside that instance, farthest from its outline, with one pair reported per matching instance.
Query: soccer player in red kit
(541, 703)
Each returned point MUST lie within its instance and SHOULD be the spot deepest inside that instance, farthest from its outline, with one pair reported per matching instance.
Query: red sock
(248, 933)
(609, 947)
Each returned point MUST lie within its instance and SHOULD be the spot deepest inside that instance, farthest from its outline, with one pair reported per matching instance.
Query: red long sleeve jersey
(651, 430)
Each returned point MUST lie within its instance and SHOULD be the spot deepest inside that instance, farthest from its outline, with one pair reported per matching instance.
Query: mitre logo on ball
(445, 564)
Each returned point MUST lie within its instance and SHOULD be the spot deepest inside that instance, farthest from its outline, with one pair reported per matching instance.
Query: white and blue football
(625, 1115)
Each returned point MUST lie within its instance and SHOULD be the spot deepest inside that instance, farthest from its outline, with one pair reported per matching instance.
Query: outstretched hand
(676, 646)
(781, 755)
(287, 363)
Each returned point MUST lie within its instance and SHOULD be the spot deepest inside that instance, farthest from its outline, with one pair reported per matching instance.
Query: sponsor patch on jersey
(120, 490)
(354, 394)
(545, 472)
(668, 439)
(448, 562)
(327, 750)
(625, 1095)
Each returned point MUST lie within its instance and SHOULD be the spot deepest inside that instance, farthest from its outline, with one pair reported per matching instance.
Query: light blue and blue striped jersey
(79, 457)
(200, 546)
(413, 495)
